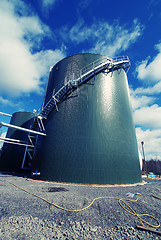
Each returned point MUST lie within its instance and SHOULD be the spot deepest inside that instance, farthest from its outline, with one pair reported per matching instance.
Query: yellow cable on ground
(138, 215)
(120, 200)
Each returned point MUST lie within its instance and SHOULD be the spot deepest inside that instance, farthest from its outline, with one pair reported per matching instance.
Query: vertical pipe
(144, 161)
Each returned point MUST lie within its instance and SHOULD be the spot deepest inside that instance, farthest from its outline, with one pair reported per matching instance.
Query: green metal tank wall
(91, 138)
(12, 155)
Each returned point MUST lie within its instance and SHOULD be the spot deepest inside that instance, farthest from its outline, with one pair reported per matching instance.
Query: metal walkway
(100, 65)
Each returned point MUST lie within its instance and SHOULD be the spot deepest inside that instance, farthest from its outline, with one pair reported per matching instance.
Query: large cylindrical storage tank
(12, 154)
(90, 136)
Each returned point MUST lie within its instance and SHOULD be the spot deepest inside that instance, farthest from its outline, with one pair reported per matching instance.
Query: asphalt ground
(25, 216)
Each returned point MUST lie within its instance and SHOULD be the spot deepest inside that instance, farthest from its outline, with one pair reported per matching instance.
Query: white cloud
(104, 38)
(33, 29)
(141, 101)
(156, 89)
(48, 3)
(119, 39)
(79, 33)
(150, 74)
(18, 69)
(4, 101)
(148, 117)
(151, 71)
(152, 142)
(46, 59)
(21, 68)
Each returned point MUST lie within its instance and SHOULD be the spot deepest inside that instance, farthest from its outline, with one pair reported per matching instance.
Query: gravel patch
(24, 216)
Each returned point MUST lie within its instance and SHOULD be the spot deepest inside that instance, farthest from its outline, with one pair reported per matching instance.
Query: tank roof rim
(77, 54)
(22, 112)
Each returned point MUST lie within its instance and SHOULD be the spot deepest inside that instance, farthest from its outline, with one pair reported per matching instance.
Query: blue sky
(36, 34)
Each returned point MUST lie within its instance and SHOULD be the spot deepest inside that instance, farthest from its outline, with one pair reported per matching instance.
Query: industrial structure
(84, 132)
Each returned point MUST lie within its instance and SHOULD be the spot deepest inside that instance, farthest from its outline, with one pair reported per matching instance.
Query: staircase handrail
(97, 65)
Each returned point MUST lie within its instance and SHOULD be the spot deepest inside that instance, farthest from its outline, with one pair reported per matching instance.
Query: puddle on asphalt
(55, 189)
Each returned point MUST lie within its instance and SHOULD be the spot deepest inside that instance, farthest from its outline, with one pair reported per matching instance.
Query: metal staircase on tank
(108, 64)
(37, 127)
(100, 65)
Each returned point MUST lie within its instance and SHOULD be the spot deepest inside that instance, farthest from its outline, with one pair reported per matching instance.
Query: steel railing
(81, 76)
